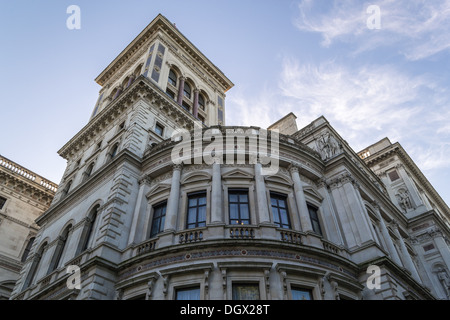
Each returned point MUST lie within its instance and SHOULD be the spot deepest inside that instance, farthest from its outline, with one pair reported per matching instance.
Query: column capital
(177, 167)
(294, 167)
(145, 180)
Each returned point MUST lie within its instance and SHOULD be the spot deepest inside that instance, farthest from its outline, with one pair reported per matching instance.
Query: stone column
(170, 223)
(409, 264)
(261, 197)
(130, 81)
(216, 194)
(137, 224)
(416, 202)
(118, 92)
(302, 208)
(442, 246)
(195, 108)
(387, 238)
(180, 91)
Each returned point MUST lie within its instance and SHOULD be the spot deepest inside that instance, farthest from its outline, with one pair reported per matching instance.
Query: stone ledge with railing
(27, 174)
(242, 232)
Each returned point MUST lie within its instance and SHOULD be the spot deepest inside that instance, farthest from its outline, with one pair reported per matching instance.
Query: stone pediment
(162, 187)
(196, 177)
(278, 179)
(312, 193)
(237, 174)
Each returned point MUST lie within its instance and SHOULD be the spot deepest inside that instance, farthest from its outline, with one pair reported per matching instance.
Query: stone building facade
(226, 212)
(24, 196)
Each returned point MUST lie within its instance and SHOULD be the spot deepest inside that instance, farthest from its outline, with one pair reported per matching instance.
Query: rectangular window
(220, 114)
(159, 129)
(313, 214)
(301, 294)
(159, 215)
(196, 215)
(245, 291)
(2, 202)
(191, 293)
(238, 205)
(280, 210)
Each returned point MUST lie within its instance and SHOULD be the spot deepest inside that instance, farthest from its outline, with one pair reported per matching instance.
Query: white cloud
(420, 29)
(363, 102)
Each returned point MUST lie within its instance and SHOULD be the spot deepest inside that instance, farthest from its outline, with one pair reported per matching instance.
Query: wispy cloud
(419, 28)
(364, 101)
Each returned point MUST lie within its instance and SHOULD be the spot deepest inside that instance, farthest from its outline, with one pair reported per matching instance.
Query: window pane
(283, 216)
(202, 214)
(234, 212)
(233, 197)
(188, 294)
(192, 202)
(243, 198)
(276, 216)
(282, 203)
(301, 294)
(202, 200)
(244, 211)
(245, 292)
(192, 215)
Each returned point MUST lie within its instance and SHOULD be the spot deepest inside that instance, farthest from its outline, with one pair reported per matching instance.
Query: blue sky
(310, 57)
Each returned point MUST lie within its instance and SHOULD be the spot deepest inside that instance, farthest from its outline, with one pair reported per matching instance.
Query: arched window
(113, 151)
(201, 102)
(88, 171)
(88, 230)
(187, 91)
(172, 78)
(59, 250)
(26, 252)
(66, 188)
(34, 266)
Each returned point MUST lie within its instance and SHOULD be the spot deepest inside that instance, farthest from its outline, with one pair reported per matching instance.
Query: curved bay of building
(221, 230)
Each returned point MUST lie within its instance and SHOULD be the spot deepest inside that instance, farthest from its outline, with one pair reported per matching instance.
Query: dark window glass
(201, 102)
(238, 205)
(187, 91)
(220, 114)
(170, 94)
(159, 129)
(301, 294)
(172, 78)
(159, 215)
(313, 214)
(27, 249)
(2, 202)
(186, 106)
(192, 293)
(280, 210)
(245, 291)
(196, 215)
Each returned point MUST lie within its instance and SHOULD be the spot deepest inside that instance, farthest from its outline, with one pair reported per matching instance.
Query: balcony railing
(147, 246)
(290, 236)
(242, 232)
(191, 236)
